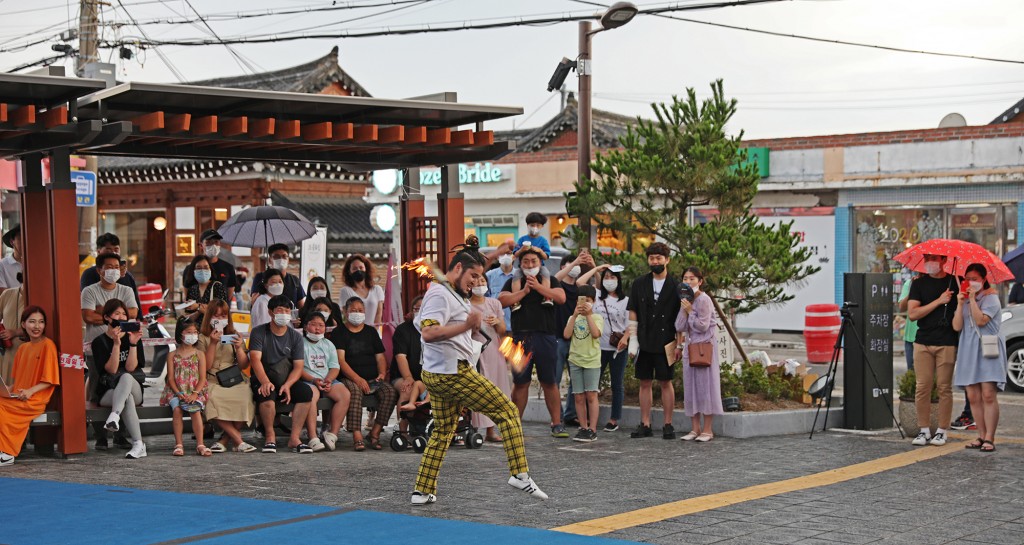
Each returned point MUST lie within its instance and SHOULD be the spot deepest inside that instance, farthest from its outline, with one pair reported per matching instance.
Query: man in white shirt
(10, 265)
(447, 323)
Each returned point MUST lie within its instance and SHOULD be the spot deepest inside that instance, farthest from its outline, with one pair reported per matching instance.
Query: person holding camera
(695, 345)
(117, 375)
(364, 368)
(933, 304)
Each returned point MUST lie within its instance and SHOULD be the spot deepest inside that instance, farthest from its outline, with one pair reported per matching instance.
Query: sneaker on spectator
(6, 459)
(330, 440)
(642, 431)
(963, 422)
(611, 427)
(525, 483)
(668, 432)
(113, 422)
(938, 440)
(316, 445)
(138, 451)
(971, 426)
(559, 431)
(122, 442)
(101, 441)
(921, 440)
(581, 435)
(419, 498)
(591, 436)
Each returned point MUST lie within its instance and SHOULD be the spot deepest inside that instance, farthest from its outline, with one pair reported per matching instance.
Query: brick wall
(893, 137)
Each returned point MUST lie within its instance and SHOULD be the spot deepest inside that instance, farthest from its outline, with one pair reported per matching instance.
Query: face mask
(356, 318)
(317, 294)
(282, 319)
(212, 251)
(480, 290)
(190, 338)
(202, 275)
(932, 267)
(575, 271)
(610, 285)
(315, 337)
(275, 289)
(532, 272)
(977, 285)
(111, 275)
(279, 264)
(505, 260)
(325, 314)
(657, 269)
(218, 324)
(358, 276)
(534, 231)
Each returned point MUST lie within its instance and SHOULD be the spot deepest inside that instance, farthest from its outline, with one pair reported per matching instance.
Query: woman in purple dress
(702, 391)
(492, 363)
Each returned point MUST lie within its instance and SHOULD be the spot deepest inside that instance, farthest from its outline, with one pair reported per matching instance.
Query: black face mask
(657, 269)
(358, 276)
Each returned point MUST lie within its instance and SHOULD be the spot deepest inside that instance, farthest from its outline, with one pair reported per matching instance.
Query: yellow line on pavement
(674, 509)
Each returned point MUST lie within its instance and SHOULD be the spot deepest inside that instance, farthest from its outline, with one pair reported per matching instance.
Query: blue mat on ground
(52, 513)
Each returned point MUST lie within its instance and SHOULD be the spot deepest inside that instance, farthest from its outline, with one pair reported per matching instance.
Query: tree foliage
(682, 159)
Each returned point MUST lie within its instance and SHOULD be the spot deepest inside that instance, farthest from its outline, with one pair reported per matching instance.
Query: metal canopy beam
(45, 90)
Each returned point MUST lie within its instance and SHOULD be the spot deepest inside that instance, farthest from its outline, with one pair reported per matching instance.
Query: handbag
(229, 377)
(615, 336)
(278, 371)
(700, 353)
(989, 343)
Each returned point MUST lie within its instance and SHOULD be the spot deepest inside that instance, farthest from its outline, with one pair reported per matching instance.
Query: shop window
(881, 233)
(142, 245)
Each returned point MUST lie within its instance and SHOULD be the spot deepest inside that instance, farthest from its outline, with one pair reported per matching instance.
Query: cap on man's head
(536, 217)
(210, 234)
(10, 235)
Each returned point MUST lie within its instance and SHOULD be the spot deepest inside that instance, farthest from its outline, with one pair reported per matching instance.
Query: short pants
(584, 379)
(301, 392)
(652, 366)
(544, 353)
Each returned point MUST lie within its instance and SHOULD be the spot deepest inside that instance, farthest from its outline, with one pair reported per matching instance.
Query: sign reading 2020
(468, 174)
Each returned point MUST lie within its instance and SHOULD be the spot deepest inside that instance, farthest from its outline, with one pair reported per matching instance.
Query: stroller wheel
(399, 442)
(419, 444)
(475, 441)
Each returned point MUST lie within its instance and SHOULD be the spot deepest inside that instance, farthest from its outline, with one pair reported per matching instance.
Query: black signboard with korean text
(867, 396)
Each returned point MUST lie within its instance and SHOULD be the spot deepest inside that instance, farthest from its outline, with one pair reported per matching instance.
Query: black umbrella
(262, 226)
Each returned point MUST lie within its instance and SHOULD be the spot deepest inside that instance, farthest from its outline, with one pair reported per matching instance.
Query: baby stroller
(421, 425)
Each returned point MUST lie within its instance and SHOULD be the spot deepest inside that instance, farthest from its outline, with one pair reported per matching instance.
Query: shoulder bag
(615, 336)
(700, 353)
(230, 376)
(989, 343)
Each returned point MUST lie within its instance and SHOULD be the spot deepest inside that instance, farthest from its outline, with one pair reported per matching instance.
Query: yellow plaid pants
(449, 394)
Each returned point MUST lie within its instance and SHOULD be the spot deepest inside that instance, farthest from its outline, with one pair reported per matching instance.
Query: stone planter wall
(908, 417)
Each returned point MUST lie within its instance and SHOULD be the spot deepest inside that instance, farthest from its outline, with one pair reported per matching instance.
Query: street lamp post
(617, 15)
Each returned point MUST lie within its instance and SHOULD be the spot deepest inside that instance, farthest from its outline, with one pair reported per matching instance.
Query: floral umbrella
(959, 254)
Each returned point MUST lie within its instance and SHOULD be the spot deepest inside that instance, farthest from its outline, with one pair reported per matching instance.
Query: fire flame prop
(514, 353)
(422, 267)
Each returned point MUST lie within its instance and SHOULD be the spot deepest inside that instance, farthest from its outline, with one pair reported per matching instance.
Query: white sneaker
(921, 440)
(113, 421)
(138, 451)
(938, 440)
(527, 485)
(6, 459)
(316, 445)
(419, 498)
(330, 440)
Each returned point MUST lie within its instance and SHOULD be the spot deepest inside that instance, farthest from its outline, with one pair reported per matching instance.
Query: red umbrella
(959, 254)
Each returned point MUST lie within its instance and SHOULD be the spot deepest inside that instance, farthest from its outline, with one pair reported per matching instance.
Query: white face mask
(575, 271)
(212, 251)
(190, 338)
(480, 290)
(505, 260)
(111, 275)
(325, 314)
(317, 294)
(610, 285)
(279, 264)
(282, 319)
(218, 324)
(356, 318)
(977, 286)
(315, 337)
(932, 267)
(532, 272)
(275, 289)
(534, 231)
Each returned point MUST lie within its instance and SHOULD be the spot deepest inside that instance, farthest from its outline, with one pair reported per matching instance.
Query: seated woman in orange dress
(36, 372)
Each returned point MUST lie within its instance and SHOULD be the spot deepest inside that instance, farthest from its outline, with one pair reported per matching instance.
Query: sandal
(359, 446)
(976, 444)
(991, 446)
(218, 447)
(179, 450)
(203, 450)
(375, 443)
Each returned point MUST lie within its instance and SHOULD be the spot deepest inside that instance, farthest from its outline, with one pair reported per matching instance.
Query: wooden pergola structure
(53, 117)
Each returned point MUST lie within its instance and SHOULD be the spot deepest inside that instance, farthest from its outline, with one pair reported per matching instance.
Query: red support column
(411, 211)
(451, 214)
(65, 326)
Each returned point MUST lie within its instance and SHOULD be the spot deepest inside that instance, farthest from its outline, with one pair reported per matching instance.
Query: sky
(785, 86)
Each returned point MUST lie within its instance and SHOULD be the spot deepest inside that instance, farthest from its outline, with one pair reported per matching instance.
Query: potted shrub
(907, 389)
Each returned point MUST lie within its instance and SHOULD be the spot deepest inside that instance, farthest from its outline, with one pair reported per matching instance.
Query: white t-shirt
(658, 285)
(9, 269)
(373, 298)
(442, 307)
(616, 317)
(94, 297)
(259, 314)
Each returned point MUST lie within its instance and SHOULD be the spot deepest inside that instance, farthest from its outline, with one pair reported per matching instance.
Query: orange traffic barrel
(821, 328)
(151, 295)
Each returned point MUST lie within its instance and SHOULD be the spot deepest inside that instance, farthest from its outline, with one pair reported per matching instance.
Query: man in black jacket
(653, 306)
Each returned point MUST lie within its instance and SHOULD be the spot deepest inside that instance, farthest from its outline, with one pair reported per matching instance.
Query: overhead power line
(170, 65)
(228, 16)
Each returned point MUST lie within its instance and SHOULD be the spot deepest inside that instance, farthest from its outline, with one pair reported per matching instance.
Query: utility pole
(88, 52)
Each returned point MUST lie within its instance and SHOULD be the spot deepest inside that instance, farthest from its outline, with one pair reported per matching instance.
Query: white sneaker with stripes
(525, 483)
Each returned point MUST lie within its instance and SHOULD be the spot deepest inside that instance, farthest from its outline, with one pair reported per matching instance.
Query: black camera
(127, 326)
(685, 292)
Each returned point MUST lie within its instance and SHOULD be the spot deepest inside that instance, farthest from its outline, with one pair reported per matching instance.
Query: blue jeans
(562, 364)
(617, 368)
(908, 349)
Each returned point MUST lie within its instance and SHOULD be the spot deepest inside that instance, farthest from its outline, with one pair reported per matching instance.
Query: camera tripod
(833, 369)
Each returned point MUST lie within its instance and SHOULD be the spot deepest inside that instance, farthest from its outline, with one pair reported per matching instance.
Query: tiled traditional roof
(347, 219)
(606, 128)
(1009, 114)
(311, 77)
(136, 170)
